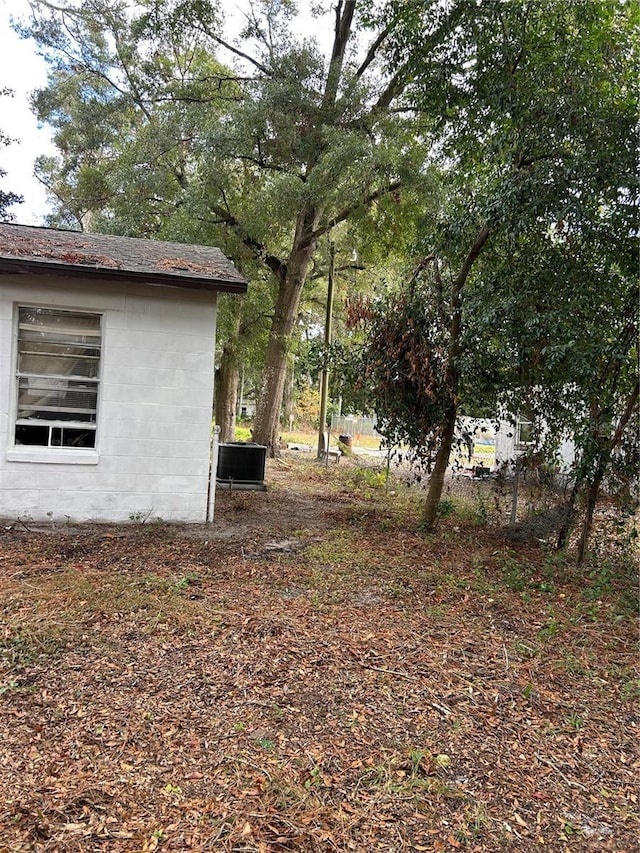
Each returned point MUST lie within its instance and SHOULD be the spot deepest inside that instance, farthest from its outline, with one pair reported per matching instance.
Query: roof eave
(158, 279)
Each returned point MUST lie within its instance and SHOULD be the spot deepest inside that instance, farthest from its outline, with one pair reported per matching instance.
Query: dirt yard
(311, 673)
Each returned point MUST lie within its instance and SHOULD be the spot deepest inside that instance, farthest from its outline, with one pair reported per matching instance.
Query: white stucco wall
(507, 451)
(154, 407)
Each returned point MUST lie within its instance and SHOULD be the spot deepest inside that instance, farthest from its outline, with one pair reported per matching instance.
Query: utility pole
(324, 377)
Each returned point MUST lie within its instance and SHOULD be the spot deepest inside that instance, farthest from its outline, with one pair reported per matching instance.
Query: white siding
(507, 451)
(154, 411)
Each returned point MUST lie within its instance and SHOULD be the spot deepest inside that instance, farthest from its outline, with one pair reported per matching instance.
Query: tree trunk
(452, 376)
(291, 283)
(291, 279)
(604, 453)
(452, 379)
(436, 483)
(587, 521)
(569, 516)
(226, 393)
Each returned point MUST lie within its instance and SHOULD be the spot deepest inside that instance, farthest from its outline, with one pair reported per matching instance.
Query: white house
(513, 439)
(106, 375)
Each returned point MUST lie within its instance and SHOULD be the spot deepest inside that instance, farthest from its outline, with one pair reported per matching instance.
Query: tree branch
(270, 167)
(373, 49)
(632, 402)
(472, 256)
(257, 249)
(237, 52)
(137, 96)
(346, 212)
(394, 87)
(342, 32)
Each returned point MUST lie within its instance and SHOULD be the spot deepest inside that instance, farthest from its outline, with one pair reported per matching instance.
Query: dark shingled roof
(27, 249)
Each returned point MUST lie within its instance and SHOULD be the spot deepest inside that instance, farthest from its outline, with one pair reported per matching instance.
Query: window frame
(523, 425)
(53, 452)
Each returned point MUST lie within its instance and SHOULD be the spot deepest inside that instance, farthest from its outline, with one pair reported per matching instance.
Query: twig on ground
(555, 767)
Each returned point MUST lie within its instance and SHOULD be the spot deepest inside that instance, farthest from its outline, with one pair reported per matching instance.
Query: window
(57, 377)
(524, 433)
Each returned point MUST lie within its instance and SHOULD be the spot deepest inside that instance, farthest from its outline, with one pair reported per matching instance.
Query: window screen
(57, 374)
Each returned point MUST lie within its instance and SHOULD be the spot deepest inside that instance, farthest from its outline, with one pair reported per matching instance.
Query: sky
(22, 70)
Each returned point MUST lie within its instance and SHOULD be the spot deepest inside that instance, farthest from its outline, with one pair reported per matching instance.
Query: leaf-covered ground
(313, 674)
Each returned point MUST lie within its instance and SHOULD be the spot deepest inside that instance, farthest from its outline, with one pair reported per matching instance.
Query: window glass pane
(45, 357)
(52, 320)
(77, 437)
(27, 434)
(56, 399)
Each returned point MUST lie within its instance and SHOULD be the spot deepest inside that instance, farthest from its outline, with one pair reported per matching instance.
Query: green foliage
(343, 359)
(185, 582)
(446, 508)
(366, 480)
(532, 108)
(307, 407)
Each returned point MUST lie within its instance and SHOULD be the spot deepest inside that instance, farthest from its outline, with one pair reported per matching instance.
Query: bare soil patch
(311, 673)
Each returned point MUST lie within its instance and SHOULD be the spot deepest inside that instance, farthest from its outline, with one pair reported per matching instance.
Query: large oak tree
(265, 153)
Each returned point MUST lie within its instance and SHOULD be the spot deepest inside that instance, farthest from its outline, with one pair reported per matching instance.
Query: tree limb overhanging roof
(29, 249)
